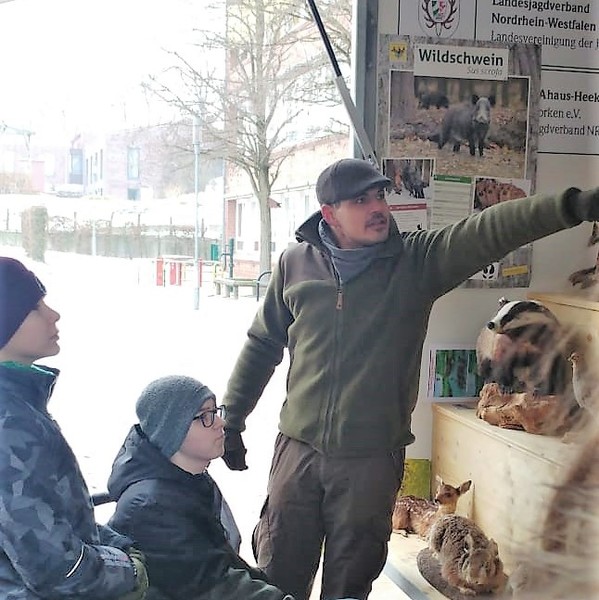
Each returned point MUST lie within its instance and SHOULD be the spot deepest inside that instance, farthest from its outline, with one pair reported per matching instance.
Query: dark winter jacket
(173, 518)
(50, 546)
(355, 349)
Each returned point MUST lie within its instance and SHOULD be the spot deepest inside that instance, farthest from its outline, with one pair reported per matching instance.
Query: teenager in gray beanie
(63, 552)
(168, 503)
(166, 408)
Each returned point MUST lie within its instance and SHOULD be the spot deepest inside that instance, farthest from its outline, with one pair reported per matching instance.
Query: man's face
(361, 221)
(36, 338)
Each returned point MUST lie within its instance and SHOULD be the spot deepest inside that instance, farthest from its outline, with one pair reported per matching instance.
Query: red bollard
(160, 271)
(172, 273)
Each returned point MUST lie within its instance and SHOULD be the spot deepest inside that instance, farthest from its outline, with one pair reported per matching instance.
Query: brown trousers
(343, 503)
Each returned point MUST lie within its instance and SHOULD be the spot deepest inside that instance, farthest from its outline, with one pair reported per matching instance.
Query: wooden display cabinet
(513, 472)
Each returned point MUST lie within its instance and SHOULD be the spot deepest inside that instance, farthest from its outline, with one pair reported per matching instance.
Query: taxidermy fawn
(416, 515)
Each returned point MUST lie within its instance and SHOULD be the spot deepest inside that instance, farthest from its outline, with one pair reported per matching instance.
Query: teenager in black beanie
(20, 292)
(50, 545)
(171, 507)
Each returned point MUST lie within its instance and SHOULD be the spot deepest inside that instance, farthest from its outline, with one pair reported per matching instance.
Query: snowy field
(119, 331)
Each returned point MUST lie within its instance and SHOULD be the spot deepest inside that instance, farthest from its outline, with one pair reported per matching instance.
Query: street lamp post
(197, 141)
(94, 237)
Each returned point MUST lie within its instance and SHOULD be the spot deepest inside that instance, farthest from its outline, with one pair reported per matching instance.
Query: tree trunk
(265, 232)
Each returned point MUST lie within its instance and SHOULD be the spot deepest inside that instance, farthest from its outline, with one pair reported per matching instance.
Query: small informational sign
(409, 217)
(453, 374)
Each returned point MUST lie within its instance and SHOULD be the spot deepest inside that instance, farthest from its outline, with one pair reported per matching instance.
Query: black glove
(583, 205)
(235, 451)
(141, 576)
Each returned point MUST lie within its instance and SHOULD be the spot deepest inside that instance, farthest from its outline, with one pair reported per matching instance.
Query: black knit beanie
(166, 408)
(20, 291)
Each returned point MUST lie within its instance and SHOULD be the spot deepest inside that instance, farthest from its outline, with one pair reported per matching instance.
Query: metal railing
(259, 283)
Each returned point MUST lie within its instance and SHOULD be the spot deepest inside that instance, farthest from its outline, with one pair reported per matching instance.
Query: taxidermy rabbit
(469, 559)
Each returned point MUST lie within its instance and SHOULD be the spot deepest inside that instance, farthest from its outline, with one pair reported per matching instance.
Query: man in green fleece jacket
(351, 303)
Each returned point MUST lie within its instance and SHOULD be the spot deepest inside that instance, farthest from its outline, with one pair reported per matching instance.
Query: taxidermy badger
(521, 349)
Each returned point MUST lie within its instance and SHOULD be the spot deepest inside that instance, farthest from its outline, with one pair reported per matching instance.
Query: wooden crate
(512, 474)
(580, 316)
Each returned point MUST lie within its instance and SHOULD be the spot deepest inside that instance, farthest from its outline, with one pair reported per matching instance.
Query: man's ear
(328, 214)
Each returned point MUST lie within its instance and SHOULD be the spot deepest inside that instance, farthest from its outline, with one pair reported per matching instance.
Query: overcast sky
(72, 64)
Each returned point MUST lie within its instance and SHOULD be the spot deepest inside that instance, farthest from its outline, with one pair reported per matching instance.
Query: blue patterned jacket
(50, 545)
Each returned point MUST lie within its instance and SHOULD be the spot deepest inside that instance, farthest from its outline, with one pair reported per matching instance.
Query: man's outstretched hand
(235, 451)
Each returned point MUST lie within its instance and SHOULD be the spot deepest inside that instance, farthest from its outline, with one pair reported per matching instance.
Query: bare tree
(337, 16)
(252, 82)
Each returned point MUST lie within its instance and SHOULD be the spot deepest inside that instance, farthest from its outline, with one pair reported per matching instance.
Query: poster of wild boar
(457, 131)
(469, 122)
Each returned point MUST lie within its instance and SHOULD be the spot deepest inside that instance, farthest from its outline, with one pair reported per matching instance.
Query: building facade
(293, 200)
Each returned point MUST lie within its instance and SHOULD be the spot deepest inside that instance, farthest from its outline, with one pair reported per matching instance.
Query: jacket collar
(138, 459)
(34, 386)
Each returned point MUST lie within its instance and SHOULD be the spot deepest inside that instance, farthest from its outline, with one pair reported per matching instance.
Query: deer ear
(469, 540)
(465, 486)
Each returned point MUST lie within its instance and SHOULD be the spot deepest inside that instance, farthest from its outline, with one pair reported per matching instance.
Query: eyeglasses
(207, 416)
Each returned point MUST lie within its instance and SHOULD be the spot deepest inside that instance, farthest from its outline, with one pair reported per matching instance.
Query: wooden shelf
(543, 447)
(571, 300)
(513, 474)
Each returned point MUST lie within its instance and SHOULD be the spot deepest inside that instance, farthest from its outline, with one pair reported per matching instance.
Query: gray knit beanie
(166, 408)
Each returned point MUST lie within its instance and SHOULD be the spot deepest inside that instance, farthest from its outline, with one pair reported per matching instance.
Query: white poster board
(568, 33)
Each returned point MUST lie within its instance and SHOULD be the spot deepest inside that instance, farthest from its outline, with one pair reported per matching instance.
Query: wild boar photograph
(470, 126)
(410, 178)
